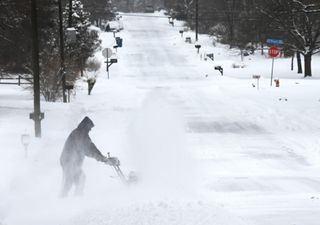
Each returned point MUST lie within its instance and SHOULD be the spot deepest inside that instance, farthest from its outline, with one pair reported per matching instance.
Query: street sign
(275, 41)
(107, 52)
(273, 51)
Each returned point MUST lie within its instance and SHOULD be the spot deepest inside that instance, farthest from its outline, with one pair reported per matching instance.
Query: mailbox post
(69, 87)
(257, 77)
(181, 32)
(171, 20)
(197, 46)
(112, 61)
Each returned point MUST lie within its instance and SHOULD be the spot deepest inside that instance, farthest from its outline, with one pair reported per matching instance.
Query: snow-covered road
(208, 149)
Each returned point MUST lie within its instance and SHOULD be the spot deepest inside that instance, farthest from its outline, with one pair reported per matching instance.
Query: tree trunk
(231, 34)
(81, 66)
(128, 6)
(307, 65)
(292, 62)
(242, 56)
(299, 62)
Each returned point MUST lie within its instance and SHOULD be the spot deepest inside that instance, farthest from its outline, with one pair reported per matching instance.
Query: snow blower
(132, 178)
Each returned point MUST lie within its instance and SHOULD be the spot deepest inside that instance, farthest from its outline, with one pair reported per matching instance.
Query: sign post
(107, 53)
(273, 53)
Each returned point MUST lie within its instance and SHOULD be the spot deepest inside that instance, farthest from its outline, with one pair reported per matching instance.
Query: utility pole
(62, 61)
(197, 19)
(70, 14)
(36, 115)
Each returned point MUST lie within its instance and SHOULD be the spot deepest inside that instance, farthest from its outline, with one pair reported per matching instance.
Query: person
(78, 146)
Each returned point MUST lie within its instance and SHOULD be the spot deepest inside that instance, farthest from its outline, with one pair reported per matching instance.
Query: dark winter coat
(78, 145)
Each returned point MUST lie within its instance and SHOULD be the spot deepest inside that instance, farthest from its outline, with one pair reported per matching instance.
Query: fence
(15, 79)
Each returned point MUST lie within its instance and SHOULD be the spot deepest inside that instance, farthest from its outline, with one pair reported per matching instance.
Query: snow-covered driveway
(208, 149)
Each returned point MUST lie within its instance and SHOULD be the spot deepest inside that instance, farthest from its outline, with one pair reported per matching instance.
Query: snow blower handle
(112, 161)
(115, 163)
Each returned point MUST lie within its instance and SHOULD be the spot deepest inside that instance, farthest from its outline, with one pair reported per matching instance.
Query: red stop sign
(273, 51)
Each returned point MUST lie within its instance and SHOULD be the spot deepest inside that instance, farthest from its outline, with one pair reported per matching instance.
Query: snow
(207, 149)
(71, 29)
(94, 28)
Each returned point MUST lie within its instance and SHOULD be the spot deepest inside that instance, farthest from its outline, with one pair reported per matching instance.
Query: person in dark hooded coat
(78, 146)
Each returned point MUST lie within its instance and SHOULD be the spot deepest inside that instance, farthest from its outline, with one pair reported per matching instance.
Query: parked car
(149, 9)
(114, 26)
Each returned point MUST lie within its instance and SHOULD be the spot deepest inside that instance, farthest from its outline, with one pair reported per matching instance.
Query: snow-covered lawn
(208, 149)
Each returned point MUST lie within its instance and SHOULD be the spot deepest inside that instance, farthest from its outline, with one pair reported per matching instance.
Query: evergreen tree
(50, 78)
(87, 39)
(100, 10)
(15, 36)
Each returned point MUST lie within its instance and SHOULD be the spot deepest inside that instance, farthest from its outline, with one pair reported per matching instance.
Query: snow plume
(157, 146)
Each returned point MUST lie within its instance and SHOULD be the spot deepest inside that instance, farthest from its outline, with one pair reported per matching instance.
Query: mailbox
(71, 34)
(220, 69)
(210, 56)
(32, 116)
(119, 42)
(113, 60)
(69, 87)
(197, 46)
(181, 32)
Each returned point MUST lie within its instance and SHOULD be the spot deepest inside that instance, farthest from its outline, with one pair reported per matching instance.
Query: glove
(112, 161)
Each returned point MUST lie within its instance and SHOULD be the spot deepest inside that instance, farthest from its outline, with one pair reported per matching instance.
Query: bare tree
(299, 23)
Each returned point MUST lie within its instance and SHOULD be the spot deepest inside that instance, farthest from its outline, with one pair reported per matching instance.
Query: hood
(86, 124)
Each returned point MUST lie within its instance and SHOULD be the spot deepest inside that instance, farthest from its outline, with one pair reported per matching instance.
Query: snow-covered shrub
(93, 65)
(218, 31)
